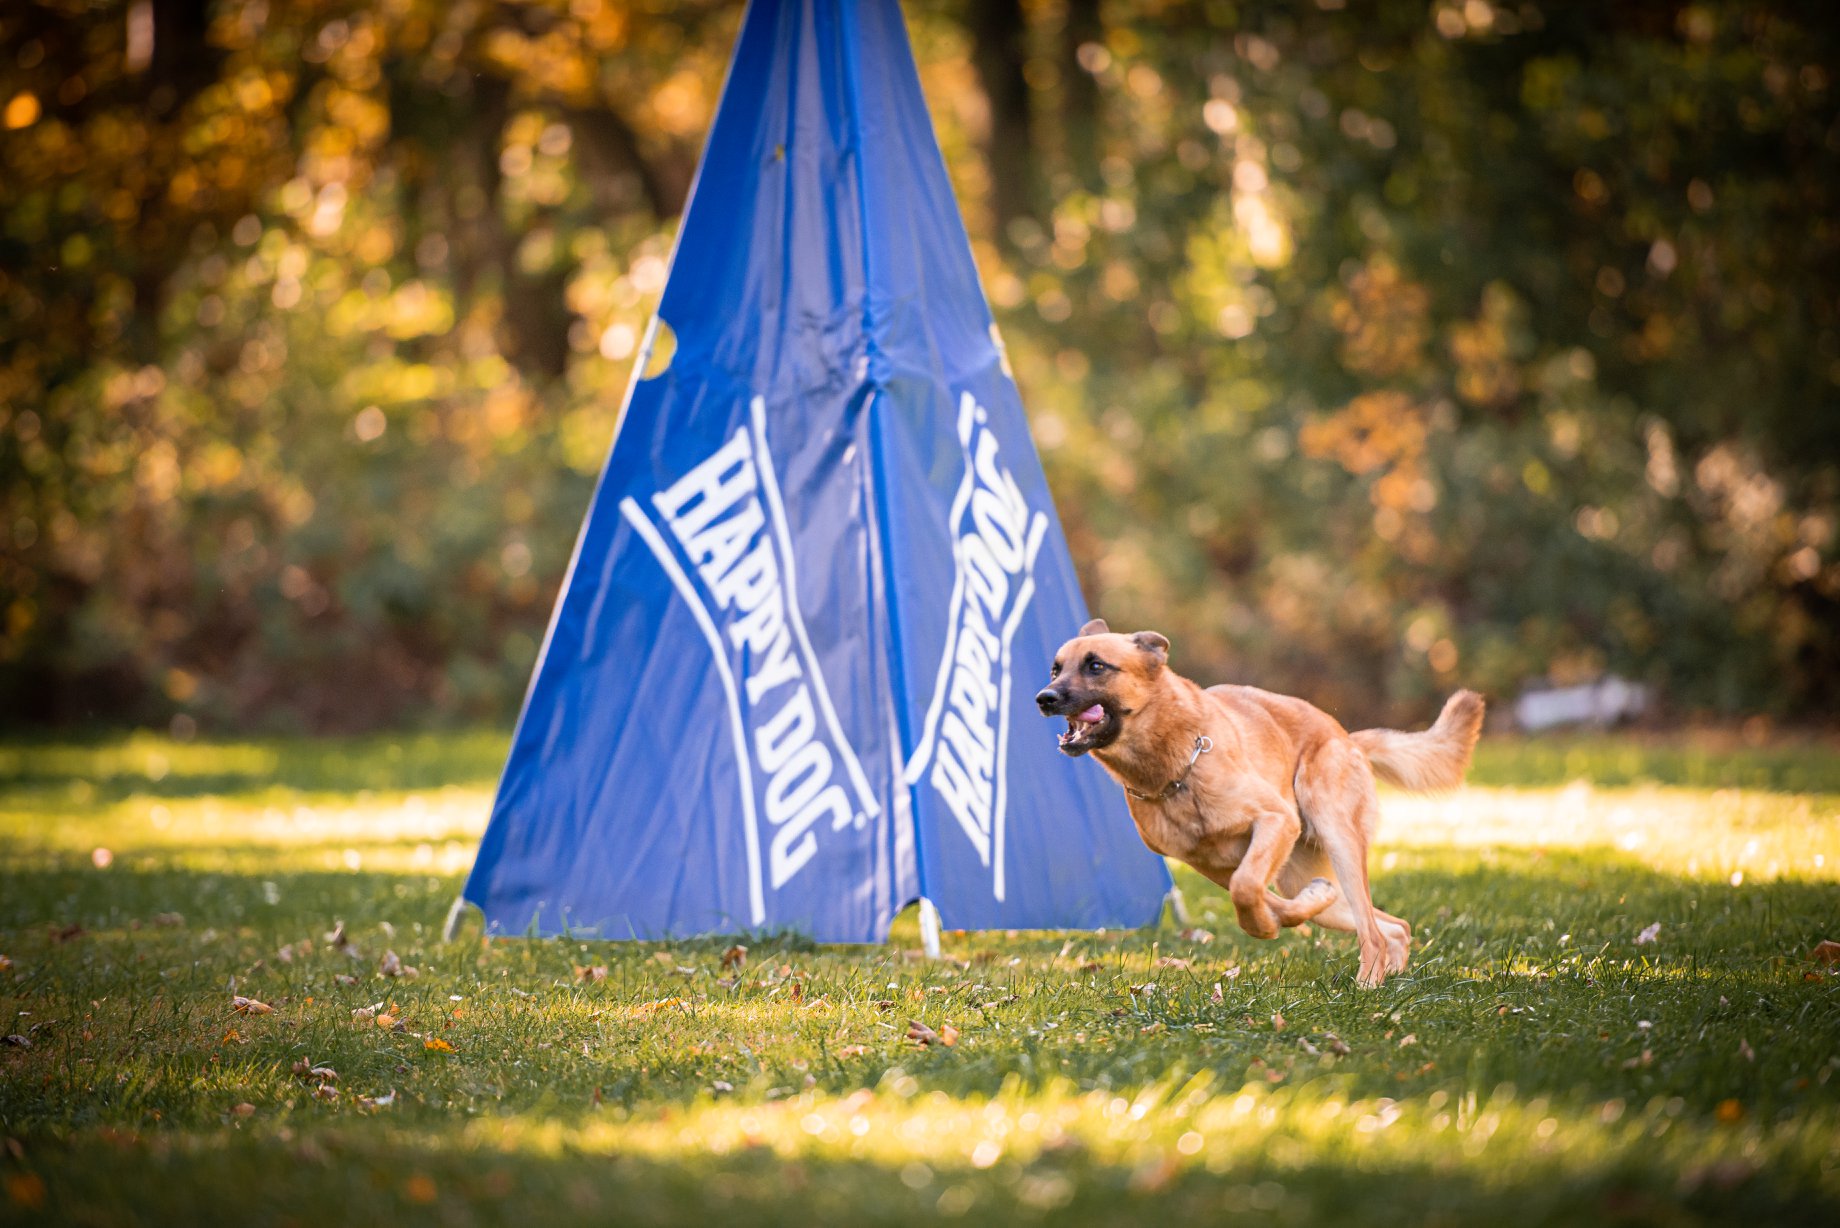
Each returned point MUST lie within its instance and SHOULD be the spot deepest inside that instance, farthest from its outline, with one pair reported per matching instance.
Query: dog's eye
(1054, 671)
(1095, 667)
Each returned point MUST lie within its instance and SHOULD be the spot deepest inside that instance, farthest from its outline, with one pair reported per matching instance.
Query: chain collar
(1203, 745)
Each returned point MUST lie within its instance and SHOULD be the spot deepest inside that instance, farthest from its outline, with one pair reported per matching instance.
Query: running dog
(1252, 788)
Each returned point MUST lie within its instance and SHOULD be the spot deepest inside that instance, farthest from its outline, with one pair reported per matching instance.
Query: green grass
(1536, 1065)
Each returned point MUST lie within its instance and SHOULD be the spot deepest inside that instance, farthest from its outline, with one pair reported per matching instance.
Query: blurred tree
(1370, 346)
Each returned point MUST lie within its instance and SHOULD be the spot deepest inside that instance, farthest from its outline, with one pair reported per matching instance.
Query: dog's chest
(1169, 827)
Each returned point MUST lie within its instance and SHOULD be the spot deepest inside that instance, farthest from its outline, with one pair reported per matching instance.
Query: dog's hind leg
(1335, 792)
(1308, 865)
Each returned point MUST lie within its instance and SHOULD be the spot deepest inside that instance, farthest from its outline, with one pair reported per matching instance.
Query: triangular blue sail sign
(789, 681)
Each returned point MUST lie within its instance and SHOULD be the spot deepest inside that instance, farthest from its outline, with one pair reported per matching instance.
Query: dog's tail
(1429, 761)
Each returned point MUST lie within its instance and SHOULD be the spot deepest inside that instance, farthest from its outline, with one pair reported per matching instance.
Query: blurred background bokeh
(1370, 347)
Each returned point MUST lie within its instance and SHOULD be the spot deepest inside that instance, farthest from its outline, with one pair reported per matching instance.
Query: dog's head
(1099, 679)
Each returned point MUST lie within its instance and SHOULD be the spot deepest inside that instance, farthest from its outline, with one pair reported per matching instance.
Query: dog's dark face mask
(1097, 681)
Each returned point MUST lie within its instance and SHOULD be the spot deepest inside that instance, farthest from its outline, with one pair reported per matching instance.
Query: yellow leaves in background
(22, 110)
(1384, 319)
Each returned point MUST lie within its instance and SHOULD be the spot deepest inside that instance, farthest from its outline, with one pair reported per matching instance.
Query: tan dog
(1252, 788)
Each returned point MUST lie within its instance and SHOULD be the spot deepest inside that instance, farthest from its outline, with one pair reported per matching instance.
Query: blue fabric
(789, 681)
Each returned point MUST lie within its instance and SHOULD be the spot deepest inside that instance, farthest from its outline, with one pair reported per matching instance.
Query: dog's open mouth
(1083, 729)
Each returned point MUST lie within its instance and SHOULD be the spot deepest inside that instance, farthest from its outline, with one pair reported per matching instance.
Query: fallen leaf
(67, 932)
(325, 1091)
(387, 1021)
(1091, 966)
(721, 1087)
(1650, 934)
(1170, 961)
(286, 954)
(1151, 1029)
(391, 965)
(921, 1034)
(1303, 1042)
(232, 1037)
(1197, 935)
(649, 1008)
(345, 978)
(335, 937)
(244, 1110)
(590, 974)
(435, 1044)
(1337, 1045)
(1745, 1051)
(1647, 1059)
(1410, 1038)
(735, 957)
(852, 1050)
(1826, 952)
(364, 1014)
(885, 1004)
(6, 965)
(1277, 1023)
(249, 1006)
(1218, 995)
(1729, 1111)
(25, 1190)
(169, 920)
(948, 1035)
(664, 957)
(16, 1041)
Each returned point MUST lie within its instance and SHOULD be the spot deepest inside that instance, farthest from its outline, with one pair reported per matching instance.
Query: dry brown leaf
(590, 973)
(335, 937)
(1410, 1038)
(664, 957)
(1197, 935)
(6, 965)
(1826, 952)
(169, 920)
(1277, 1023)
(344, 978)
(1337, 1045)
(16, 1041)
(1745, 1051)
(798, 991)
(391, 965)
(948, 1035)
(852, 1050)
(921, 1034)
(249, 1006)
(244, 1110)
(735, 957)
(1218, 995)
(305, 1069)
(1170, 961)
(388, 1022)
(325, 1091)
(659, 1004)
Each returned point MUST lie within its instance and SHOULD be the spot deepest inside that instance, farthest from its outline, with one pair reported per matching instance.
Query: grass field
(1540, 1063)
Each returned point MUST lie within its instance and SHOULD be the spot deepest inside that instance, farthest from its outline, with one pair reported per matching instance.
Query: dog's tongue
(1092, 715)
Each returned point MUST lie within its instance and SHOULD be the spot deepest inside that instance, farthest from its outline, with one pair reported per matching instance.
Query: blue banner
(789, 681)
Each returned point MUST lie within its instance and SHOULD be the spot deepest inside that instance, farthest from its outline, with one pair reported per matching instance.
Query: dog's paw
(1319, 889)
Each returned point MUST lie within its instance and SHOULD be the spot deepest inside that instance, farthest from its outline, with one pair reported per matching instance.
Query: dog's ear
(1153, 644)
(1095, 627)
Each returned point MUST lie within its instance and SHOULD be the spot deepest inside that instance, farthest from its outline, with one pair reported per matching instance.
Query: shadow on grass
(111, 770)
(1529, 972)
(375, 1176)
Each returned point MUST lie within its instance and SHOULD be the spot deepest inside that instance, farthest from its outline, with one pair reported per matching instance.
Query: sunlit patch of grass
(1541, 1061)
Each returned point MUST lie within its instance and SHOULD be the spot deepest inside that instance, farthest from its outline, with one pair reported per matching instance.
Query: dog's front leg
(1274, 831)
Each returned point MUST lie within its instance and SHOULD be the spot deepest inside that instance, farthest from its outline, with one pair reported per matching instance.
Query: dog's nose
(1046, 700)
